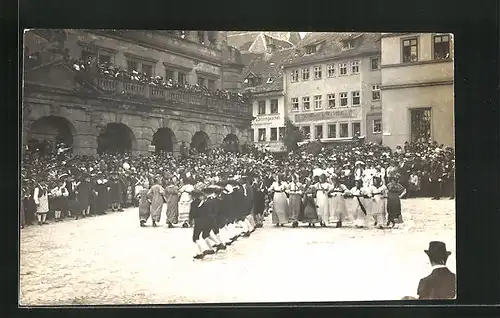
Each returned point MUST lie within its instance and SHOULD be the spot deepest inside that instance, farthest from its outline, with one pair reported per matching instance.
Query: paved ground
(111, 260)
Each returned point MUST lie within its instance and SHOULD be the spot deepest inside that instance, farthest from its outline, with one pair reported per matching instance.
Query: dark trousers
(201, 227)
(436, 189)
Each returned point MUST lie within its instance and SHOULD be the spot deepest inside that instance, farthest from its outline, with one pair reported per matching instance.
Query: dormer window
(348, 44)
(269, 80)
(311, 49)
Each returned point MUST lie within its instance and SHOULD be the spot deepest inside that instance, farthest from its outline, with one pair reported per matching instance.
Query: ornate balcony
(169, 96)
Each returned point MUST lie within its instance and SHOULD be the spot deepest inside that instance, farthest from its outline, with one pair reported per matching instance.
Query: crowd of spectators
(424, 168)
(113, 71)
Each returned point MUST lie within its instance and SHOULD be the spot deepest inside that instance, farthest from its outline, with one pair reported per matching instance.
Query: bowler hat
(437, 249)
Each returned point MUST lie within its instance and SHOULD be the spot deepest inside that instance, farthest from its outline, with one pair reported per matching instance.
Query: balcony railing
(169, 95)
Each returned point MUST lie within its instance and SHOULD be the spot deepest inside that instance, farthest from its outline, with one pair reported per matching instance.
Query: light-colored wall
(396, 113)
(268, 120)
(361, 82)
(400, 93)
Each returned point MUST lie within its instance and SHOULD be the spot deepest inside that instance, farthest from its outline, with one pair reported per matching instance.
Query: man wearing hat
(441, 283)
(199, 215)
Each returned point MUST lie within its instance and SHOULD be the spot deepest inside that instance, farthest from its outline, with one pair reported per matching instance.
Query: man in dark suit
(441, 283)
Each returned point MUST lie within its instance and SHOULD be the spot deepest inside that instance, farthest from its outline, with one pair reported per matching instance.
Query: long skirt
(360, 218)
(156, 208)
(280, 208)
(323, 209)
(338, 209)
(393, 207)
(184, 208)
(310, 214)
(294, 206)
(144, 210)
(173, 209)
(378, 209)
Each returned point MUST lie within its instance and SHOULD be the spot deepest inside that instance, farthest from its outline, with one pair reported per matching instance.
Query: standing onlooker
(83, 196)
(413, 185)
(58, 194)
(41, 198)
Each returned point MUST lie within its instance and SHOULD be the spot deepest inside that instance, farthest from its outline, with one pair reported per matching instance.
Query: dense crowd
(113, 71)
(81, 186)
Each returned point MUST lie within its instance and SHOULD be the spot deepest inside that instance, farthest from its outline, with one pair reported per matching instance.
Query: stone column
(205, 38)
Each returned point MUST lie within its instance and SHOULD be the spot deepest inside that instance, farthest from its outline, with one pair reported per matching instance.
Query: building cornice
(269, 93)
(171, 50)
(207, 74)
(177, 67)
(416, 63)
(395, 34)
(412, 85)
(330, 58)
(139, 57)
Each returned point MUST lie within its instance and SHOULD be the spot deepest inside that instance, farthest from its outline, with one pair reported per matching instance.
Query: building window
(262, 107)
(295, 104)
(343, 100)
(317, 102)
(421, 119)
(410, 50)
(201, 81)
(181, 78)
(331, 70)
(375, 92)
(281, 133)
(305, 103)
(306, 132)
(343, 68)
(262, 134)
(355, 98)
(355, 67)
(104, 58)
(441, 47)
(295, 76)
(147, 69)
(344, 130)
(331, 100)
(374, 63)
(332, 131)
(169, 74)
(274, 106)
(347, 44)
(356, 129)
(317, 72)
(274, 134)
(211, 85)
(311, 49)
(305, 74)
(319, 131)
(131, 66)
(377, 126)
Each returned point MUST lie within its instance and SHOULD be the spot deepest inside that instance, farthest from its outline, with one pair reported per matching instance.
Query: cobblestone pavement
(111, 260)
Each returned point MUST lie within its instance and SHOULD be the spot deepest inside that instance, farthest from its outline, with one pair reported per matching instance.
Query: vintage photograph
(193, 167)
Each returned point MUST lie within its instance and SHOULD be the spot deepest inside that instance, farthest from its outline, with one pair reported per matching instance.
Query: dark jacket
(440, 284)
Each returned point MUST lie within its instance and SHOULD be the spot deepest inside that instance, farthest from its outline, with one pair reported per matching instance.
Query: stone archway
(48, 131)
(231, 143)
(164, 140)
(116, 138)
(200, 141)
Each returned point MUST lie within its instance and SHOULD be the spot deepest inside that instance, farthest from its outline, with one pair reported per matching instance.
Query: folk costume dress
(310, 214)
(322, 201)
(338, 210)
(360, 203)
(155, 195)
(41, 198)
(280, 203)
(185, 203)
(294, 200)
(144, 205)
(379, 195)
(172, 196)
(394, 190)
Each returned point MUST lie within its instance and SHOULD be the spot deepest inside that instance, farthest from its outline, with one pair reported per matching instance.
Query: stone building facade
(332, 87)
(417, 87)
(61, 105)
